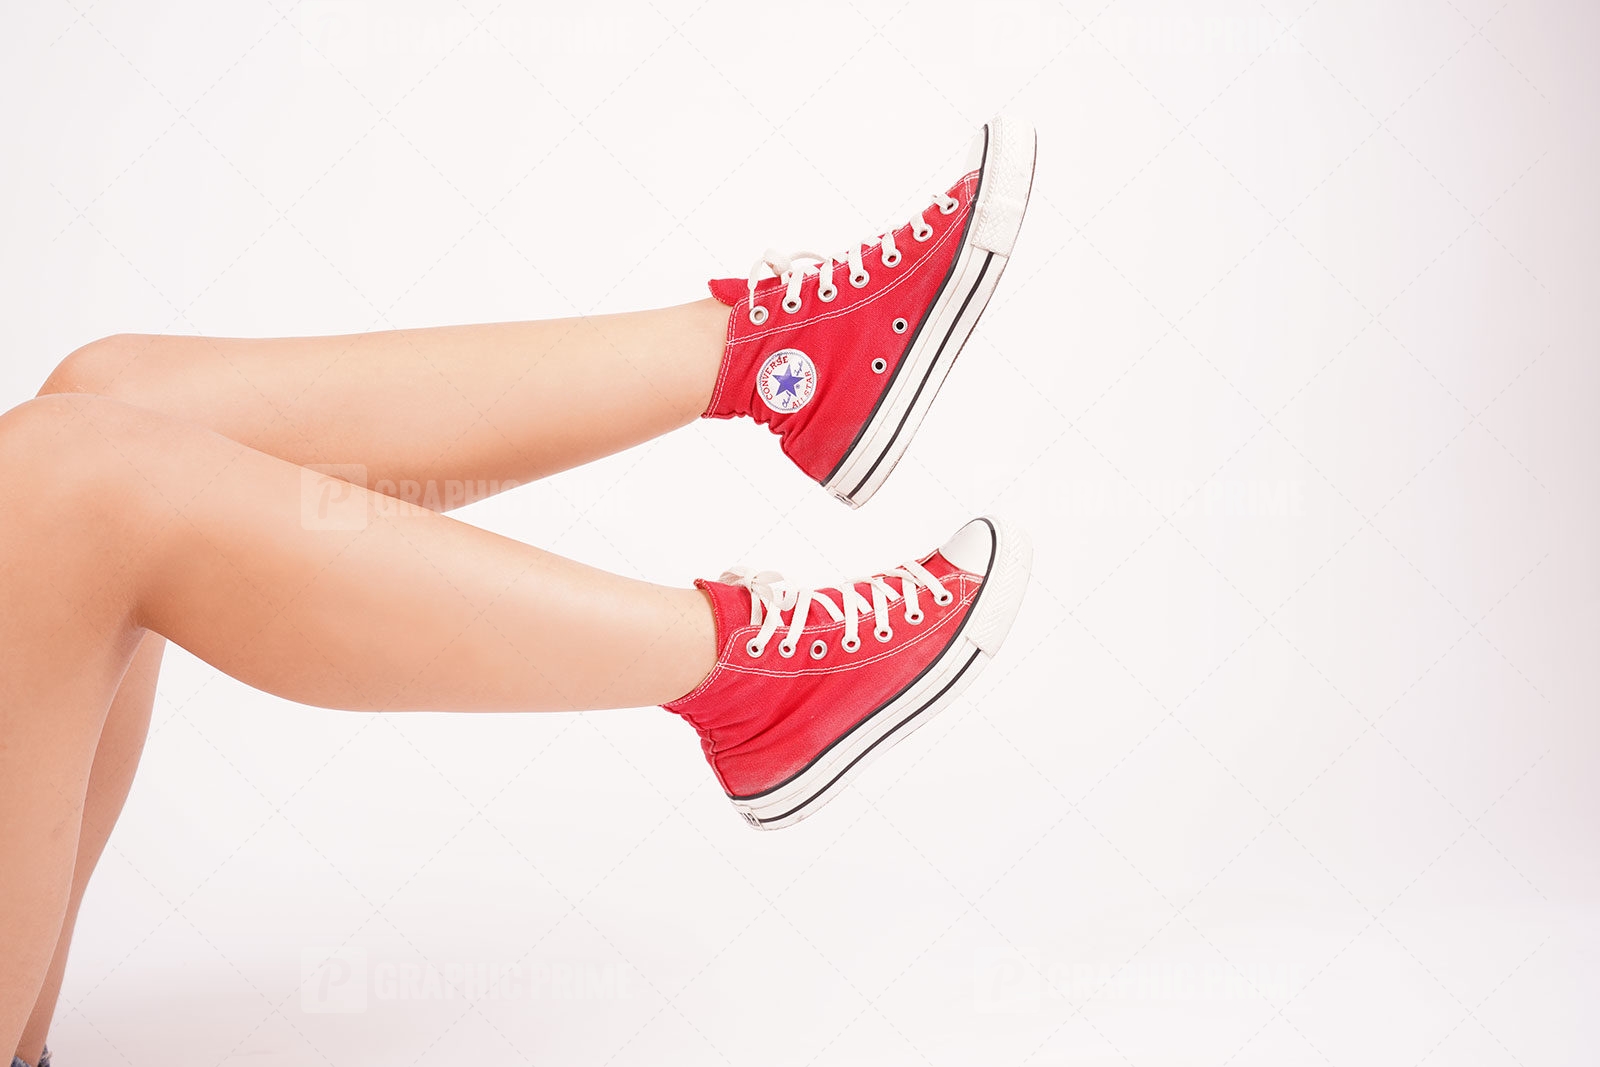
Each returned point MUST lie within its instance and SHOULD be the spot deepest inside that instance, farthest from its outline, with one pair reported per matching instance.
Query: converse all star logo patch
(787, 381)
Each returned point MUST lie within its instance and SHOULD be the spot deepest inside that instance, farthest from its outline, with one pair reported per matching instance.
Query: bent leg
(321, 592)
(505, 402)
(66, 638)
(484, 406)
(120, 520)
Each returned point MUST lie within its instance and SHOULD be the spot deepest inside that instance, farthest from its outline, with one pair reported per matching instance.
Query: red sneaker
(844, 373)
(810, 685)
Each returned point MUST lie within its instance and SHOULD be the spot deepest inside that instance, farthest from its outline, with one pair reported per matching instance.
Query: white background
(1290, 757)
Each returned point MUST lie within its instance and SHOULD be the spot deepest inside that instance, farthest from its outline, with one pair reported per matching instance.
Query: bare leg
(503, 402)
(121, 520)
(67, 647)
(116, 758)
(409, 611)
(482, 404)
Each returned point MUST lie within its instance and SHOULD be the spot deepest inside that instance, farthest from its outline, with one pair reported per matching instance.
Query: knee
(38, 433)
(73, 517)
(110, 366)
(59, 451)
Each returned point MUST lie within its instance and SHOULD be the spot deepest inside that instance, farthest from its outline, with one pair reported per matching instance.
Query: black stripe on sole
(932, 366)
(988, 572)
(866, 751)
(944, 283)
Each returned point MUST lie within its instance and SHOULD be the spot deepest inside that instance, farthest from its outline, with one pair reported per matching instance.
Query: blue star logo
(787, 382)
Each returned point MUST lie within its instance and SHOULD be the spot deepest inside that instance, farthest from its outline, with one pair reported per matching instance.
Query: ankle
(701, 651)
(709, 320)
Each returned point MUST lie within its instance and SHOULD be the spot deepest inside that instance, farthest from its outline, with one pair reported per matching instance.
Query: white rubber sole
(1006, 179)
(969, 651)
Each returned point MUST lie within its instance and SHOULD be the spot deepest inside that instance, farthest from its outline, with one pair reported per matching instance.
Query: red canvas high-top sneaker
(842, 358)
(811, 684)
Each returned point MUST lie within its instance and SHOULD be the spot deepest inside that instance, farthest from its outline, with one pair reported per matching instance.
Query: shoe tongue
(729, 290)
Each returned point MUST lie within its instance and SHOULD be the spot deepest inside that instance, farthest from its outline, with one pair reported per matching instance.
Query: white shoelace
(791, 268)
(771, 595)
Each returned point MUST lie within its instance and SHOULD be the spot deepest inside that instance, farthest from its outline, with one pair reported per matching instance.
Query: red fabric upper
(763, 719)
(842, 337)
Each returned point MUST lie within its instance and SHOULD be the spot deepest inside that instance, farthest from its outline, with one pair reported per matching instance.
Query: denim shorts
(44, 1060)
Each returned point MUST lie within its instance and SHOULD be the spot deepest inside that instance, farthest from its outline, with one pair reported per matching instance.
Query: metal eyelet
(754, 649)
(915, 619)
(894, 262)
(858, 280)
(879, 366)
(945, 599)
(883, 634)
(923, 233)
(901, 326)
(850, 644)
(954, 203)
(758, 314)
(826, 295)
(785, 649)
(791, 306)
(819, 648)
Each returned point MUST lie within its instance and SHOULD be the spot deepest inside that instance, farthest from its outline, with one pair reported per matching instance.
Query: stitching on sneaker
(902, 272)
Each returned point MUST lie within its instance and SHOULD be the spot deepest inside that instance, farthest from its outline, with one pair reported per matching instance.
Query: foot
(842, 358)
(811, 685)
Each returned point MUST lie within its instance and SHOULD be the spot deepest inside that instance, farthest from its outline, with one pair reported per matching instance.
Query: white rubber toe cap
(972, 547)
(992, 547)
